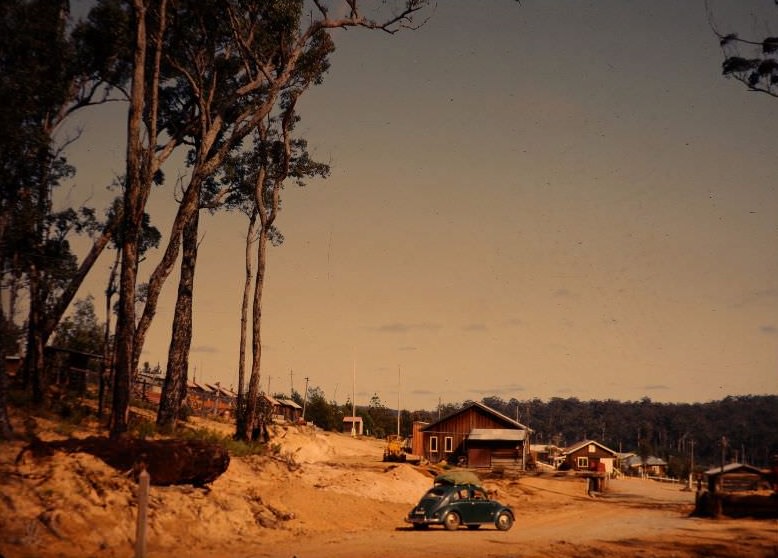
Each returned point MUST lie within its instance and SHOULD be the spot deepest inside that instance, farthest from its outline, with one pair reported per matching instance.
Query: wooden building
(736, 477)
(588, 455)
(353, 425)
(636, 466)
(291, 411)
(476, 436)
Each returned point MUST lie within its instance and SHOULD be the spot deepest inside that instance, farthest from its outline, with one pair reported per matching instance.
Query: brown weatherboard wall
(458, 427)
(594, 457)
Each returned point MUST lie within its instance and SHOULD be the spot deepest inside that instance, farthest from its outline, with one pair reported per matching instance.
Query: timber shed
(476, 436)
(736, 477)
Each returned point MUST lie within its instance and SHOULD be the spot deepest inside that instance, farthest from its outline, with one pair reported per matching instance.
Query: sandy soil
(329, 495)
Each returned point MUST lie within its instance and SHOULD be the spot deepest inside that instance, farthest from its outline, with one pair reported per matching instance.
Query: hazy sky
(544, 199)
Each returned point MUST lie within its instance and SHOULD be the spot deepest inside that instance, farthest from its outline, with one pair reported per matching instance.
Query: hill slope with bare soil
(327, 494)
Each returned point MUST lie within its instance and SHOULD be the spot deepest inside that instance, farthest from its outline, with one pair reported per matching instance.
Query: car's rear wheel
(451, 521)
(504, 521)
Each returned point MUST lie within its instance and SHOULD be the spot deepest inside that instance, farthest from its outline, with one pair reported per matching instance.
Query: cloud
(655, 387)
(408, 348)
(507, 389)
(768, 329)
(398, 327)
(757, 298)
(475, 327)
(204, 349)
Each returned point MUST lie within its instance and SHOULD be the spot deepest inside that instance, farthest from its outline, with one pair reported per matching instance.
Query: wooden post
(143, 502)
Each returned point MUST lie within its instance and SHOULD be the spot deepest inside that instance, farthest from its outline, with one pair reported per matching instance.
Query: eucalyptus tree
(752, 61)
(257, 176)
(206, 74)
(48, 74)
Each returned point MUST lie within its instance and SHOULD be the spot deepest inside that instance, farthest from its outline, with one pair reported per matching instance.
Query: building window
(592, 448)
(583, 463)
(448, 444)
(433, 444)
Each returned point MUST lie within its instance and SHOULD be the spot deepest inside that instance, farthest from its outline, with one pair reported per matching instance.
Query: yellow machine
(394, 448)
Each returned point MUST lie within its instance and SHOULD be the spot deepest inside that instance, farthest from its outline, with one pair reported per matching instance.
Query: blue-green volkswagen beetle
(452, 505)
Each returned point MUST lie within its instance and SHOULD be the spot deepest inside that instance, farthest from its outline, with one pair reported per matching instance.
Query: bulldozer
(394, 449)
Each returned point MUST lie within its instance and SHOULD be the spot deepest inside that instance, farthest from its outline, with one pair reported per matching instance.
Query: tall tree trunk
(33, 359)
(108, 353)
(143, 161)
(174, 388)
(6, 431)
(135, 196)
(240, 415)
(252, 399)
(189, 206)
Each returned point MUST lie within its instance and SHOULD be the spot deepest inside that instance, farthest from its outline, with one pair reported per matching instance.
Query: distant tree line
(740, 428)
(736, 428)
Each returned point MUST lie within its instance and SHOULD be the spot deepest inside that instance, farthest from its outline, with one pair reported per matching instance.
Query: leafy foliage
(758, 72)
(82, 331)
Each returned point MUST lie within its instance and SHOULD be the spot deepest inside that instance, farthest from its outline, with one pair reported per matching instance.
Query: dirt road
(634, 518)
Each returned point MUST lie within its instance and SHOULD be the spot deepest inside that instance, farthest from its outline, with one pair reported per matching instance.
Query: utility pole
(398, 400)
(291, 382)
(353, 399)
(305, 397)
(691, 466)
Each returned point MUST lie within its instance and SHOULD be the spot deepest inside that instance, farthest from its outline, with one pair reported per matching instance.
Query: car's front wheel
(451, 521)
(504, 521)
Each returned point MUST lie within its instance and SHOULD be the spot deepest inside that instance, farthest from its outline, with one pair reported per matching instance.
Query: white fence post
(143, 502)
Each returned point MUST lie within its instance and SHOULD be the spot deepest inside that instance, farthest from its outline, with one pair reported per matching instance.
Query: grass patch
(237, 448)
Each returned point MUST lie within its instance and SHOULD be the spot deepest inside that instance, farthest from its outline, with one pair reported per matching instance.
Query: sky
(527, 200)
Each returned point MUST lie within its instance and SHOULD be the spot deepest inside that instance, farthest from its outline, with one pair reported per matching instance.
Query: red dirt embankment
(327, 494)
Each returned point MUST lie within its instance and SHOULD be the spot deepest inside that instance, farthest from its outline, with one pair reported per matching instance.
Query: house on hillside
(72, 369)
(291, 411)
(636, 466)
(588, 455)
(210, 398)
(476, 436)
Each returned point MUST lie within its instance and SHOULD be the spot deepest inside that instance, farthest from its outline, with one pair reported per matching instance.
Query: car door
(481, 509)
(461, 503)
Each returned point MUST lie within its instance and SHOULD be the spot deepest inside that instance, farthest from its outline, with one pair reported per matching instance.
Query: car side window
(479, 494)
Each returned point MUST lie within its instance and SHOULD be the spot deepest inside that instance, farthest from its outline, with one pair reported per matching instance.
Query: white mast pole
(353, 397)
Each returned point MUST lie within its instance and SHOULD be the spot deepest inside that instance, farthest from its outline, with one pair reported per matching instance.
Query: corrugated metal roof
(289, 403)
(497, 434)
(270, 400)
(730, 467)
(483, 407)
(575, 447)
